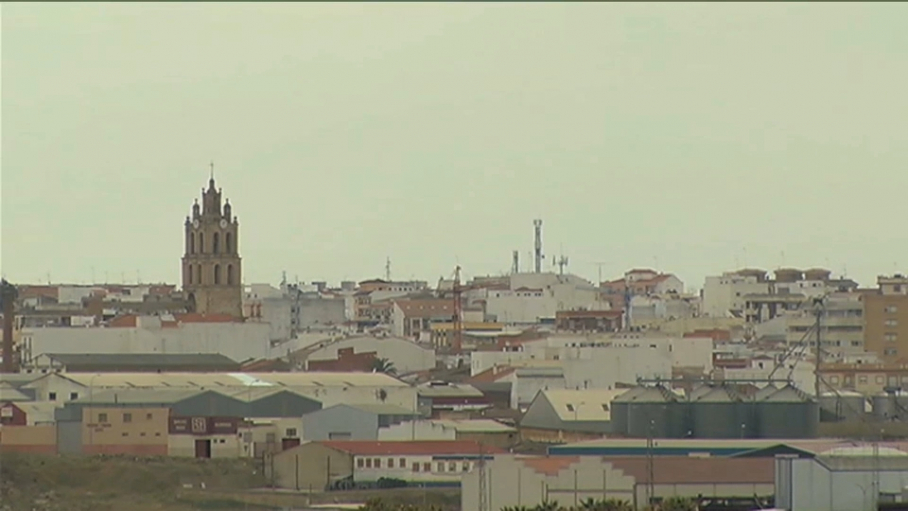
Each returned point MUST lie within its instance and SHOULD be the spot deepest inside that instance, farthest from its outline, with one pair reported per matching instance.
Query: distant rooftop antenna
(537, 224)
(562, 262)
(388, 269)
(515, 265)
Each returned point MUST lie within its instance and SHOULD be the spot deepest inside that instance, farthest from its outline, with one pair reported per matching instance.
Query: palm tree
(383, 365)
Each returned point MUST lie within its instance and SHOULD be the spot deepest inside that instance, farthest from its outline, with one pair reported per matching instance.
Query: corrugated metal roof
(38, 411)
(474, 425)
(405, 447)
(383, 409)
(586, 405)
(448, 390)
(231, 380)
(162, 360)
(8, 393)
(139, 396)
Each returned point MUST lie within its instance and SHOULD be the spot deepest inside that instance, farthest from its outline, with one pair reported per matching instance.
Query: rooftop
(428, 447)
(162, 360)
(584, 405)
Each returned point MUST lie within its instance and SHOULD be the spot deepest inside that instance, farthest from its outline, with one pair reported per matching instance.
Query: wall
(406, 355)
(117, 430)
(720, 294)
(360, 424)
(321, 311)
(238, 341)
(808, 484)
(310, 466)
(222, 446)
(447, 470)
(31, 439)
(417, 430)
(879, 328)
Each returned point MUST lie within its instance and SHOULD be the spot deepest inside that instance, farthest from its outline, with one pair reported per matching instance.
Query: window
(890, 337)
(376, 463)
(191, 244)
(570, 407)
(189, 275)
(73, 396)
(228, 245)
(215, 243)
(229, 274)
(201, 242)
(890, 352)
(604, 407)
(125, 433)
(466, 466)
(291, 432)
(198, 276)
(148, 416)
(416, 467)
(127, 417)
(360, 463)
(452, 466)
(402, 463)
(368, 462)
(390, 462)
(52, 396)
(862, 379)
(441, 466)
(427, 467)
(217, 274)
(891, 309)
(892, 323)
(102, 417)
(880, 380)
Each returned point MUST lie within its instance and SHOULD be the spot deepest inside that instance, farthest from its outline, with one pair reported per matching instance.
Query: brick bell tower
(212, 270)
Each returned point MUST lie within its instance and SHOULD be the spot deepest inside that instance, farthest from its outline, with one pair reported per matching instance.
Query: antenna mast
(537, 224)
(457, 319)
(515, 266)
(388, 269)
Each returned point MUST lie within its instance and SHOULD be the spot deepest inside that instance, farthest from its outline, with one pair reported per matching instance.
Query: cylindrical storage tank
(788, 275)
(718, 412)
(817, 274)
(619, 409)
(883, 406)
(841, 406)
(787, 413)
(653, 412)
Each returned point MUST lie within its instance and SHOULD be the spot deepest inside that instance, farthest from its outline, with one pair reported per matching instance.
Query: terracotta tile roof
(426, 308)
(642, 270)
(428, 447)
(127, 321)
(550, 465)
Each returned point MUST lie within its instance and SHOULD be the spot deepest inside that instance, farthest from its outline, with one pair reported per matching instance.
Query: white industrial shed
(844, 479)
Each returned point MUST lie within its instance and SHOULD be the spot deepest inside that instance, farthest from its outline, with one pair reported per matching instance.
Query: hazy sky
(693, 136)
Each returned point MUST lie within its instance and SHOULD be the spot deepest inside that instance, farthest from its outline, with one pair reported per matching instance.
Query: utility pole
(483, 495)
(818, 310)
(650, 465)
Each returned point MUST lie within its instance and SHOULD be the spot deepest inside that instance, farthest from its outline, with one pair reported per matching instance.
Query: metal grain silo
(719, 412)
(619, 409)
(890, 406)
(841, 406)
(655, 411)
(787, 413)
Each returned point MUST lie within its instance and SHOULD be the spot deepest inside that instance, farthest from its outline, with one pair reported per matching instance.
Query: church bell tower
(212, 271)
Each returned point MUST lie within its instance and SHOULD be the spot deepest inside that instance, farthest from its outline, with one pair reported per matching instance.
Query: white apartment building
(724, 296)
(841, 326)
(534, 297)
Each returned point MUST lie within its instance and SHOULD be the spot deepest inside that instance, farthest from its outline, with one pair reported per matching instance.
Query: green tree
(383, 365)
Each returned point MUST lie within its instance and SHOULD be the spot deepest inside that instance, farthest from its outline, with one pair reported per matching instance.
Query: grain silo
(718, 411)
(656, 412)
(841, 406)
(787, 413)
(619, 409)
(890, 406)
